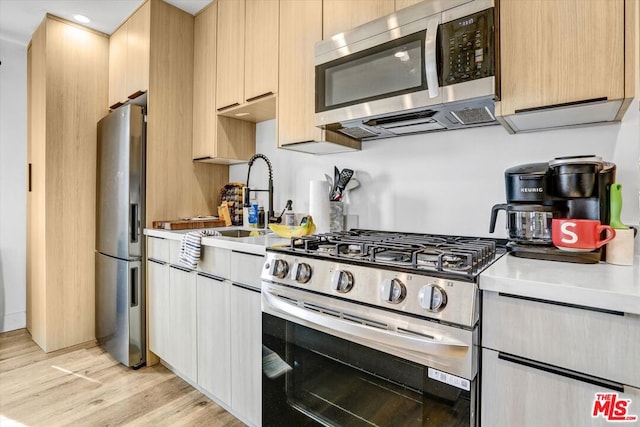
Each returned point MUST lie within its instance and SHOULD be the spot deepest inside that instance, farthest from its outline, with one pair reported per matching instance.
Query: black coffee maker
(565, 187)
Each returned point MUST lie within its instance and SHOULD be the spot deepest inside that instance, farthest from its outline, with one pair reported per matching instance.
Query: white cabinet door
(214, 352)
(520, 392)
(183, 352)
(246, 354)
(246, 268)
(159, 297)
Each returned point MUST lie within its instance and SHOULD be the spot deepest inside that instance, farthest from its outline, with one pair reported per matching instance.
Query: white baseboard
(13, 321)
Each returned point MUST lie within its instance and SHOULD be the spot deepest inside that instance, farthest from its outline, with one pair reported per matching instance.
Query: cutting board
(185, 224)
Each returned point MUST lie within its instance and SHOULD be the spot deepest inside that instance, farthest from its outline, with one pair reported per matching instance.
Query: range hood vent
(600, 110)
(454, 115)
(330, 142)
(471, 116)
(426, 114)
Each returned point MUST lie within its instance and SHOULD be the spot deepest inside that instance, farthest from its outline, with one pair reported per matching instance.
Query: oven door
(314, 377)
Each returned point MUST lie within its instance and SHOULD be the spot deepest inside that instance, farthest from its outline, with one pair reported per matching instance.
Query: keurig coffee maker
(565, 187)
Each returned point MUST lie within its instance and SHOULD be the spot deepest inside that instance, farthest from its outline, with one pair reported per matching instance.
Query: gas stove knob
(342, 281)
(393, 291)
(279, 268)
(432, 298)
(301, 272)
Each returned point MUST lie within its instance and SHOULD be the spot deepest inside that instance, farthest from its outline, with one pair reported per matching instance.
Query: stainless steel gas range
(373, 328)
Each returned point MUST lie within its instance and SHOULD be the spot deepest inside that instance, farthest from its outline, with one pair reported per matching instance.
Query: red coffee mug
(579, 235)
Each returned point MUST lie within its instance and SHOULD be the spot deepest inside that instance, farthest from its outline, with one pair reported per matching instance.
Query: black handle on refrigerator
(135, 288)
(133, 210)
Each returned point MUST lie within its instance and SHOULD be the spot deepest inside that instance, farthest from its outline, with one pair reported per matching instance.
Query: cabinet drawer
(174, 252)
(515, 394)
(158, 249)
(246, 268)
(594, 342)
(215, 261)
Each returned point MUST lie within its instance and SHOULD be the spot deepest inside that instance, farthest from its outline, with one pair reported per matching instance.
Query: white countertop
(252, 244)
(606, 286)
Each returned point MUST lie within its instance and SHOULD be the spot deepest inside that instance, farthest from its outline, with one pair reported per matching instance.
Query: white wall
(13, 205)
(444, 182)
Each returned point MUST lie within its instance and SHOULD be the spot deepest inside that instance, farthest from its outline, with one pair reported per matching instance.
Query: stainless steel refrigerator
(120, 275)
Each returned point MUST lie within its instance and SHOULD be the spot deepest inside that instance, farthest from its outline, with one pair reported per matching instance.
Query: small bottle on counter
(289, 217)
(260, 217)
(253, 214)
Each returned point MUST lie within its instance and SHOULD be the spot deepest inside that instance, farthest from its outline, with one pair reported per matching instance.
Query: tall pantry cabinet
(67, 94)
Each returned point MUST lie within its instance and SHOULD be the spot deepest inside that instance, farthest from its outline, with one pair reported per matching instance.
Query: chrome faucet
(270, 214)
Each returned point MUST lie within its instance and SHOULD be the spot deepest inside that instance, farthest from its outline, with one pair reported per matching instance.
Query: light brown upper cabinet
(300, 28)
(565, 62)
(247, 67)
(129, 57)
(342, 15)
(230, 52)
(401, 4)
(66, 95)
(261, 48)
(160, 48)
(216, 139)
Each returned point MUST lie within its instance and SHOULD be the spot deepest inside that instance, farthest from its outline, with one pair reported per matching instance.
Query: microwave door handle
(430, 65)
(437, 347)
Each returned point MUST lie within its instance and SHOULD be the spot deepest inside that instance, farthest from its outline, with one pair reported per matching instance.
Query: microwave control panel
(466, 48)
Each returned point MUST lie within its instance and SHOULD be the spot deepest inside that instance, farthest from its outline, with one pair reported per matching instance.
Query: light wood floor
(84, 386)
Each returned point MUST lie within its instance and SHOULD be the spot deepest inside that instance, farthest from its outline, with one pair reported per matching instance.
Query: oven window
(390, 69)
(312, 378)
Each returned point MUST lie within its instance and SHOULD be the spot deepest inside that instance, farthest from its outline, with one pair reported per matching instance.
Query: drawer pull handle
(226, 107)
(264, 95)
(599, 382)
(562, 304)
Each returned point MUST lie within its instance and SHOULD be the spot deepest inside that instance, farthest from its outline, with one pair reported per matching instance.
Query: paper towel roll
(319, 205)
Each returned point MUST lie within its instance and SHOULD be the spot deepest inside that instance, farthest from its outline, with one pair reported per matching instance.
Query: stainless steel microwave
(427, 67)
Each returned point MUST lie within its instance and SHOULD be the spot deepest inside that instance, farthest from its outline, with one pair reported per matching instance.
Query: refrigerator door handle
(135, 287)
(135, 223)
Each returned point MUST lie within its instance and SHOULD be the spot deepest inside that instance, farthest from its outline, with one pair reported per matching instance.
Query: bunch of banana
(289, 231)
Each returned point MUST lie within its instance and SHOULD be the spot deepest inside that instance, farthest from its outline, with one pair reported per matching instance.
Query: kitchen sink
(243, 233)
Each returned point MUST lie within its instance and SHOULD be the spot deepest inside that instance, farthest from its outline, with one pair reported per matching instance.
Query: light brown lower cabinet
(246, 353)
(158, 298)
(214, 337)
(183, 322)
(171, 296)
(545, 363)
(207, 324)
(516, 392)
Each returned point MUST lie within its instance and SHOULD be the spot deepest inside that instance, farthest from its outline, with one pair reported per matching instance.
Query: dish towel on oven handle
(190, 247)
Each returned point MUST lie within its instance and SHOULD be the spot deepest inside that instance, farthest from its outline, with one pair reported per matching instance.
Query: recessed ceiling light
(81, 18)
(241, 114)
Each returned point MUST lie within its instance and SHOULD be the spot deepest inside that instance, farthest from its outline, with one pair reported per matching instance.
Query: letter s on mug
(568, 236)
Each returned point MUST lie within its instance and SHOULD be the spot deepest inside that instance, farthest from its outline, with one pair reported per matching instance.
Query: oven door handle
(436, 347)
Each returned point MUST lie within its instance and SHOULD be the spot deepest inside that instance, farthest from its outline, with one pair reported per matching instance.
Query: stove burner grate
(420, 252)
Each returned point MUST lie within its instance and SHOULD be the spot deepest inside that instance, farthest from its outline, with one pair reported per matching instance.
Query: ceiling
(20, 18)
